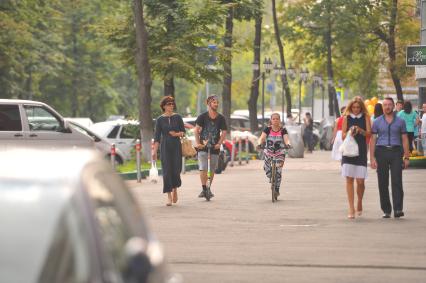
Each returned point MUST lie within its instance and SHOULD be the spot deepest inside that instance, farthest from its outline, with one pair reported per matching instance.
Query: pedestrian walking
(386, 153)
(337, 137)
(411, 119)
(416, 130)
(289, 120)
(210, 127)
(356, 122)
(378, 111)
(399, 106)
(169, 128)
(308, 133)
(422, 132)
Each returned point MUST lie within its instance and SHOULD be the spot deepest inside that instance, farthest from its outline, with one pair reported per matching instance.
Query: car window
(246, 124)
(40, 119)
(129, 132)
(114, 132)
(113, 229)
(235, 123)
(68, 259)
(10, 119)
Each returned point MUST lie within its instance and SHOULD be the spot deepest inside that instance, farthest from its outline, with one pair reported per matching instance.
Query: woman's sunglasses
(170, 103)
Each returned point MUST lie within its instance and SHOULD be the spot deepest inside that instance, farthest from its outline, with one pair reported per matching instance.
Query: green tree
(239, 10)
(392, 22)
(51, 51)
(284, 79)
(254, 89)
(324, 29)
(29, 46)
(144, 76)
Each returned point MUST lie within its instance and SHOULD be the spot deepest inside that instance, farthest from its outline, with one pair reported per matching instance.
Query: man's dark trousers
(390, 158)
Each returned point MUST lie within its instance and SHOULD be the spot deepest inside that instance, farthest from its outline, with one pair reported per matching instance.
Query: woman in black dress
(356, 122)
(169, 129)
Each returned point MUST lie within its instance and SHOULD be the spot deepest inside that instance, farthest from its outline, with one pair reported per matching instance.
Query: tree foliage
(79, 56)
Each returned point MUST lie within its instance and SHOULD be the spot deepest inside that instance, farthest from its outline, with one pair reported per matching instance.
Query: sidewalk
(240, 236)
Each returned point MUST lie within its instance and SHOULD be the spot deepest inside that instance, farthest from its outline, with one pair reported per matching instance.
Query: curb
(417, 163)
(145, 173)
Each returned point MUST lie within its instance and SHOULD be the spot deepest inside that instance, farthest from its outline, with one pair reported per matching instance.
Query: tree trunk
(254, 93)
(169, 86)
(333, 104)
(144, 78)
(284, 79)
(74, 80)
(29, 83)
(227, 67)
(392, 51)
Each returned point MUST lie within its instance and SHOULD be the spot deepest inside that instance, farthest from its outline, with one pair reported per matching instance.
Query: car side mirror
(66, 128)
(138, 264)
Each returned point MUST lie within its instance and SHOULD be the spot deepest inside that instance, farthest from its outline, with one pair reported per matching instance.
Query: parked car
(101, 143)
(86, 122)
(240, 123)
(123, 133)
(72, 220)
(32, 123)
(189, 120)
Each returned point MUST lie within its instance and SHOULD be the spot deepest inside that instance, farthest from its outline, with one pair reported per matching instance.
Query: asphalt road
(241, 236)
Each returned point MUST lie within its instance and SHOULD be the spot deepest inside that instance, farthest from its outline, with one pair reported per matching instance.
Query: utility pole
(421, 70)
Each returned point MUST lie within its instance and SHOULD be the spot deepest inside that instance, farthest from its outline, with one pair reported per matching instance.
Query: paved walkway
(240, 236)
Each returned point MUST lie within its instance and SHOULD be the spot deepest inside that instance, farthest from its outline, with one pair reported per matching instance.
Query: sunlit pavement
(241, 236)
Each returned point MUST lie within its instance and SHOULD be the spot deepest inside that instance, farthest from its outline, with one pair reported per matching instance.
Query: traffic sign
(416, 55)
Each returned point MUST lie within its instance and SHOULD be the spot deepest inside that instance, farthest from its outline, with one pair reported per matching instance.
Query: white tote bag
(153, 173)
(349, 147)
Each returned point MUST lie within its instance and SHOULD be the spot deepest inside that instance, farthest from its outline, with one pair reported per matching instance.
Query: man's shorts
(202, 161)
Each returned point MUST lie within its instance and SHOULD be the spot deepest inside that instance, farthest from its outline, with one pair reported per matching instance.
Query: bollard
(138, 161)
(113, 155)
(183, 165)
(247, 150)
(152, 151)
(232, 153)
(240, 149)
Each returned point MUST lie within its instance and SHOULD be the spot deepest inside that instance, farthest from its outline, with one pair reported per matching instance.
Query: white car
(123, 133)
(35, 124)
(101, 144)
(67, 217)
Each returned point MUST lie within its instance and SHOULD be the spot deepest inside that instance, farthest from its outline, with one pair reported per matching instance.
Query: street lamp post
(267, 64)
(330, 85)
(317, 81)
(278, 69)
(303, 78)
(322, 91)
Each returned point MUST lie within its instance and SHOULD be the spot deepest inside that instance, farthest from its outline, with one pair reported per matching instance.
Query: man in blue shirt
(388, 145)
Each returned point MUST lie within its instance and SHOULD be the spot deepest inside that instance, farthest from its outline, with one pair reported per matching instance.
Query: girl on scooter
(275, 136)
